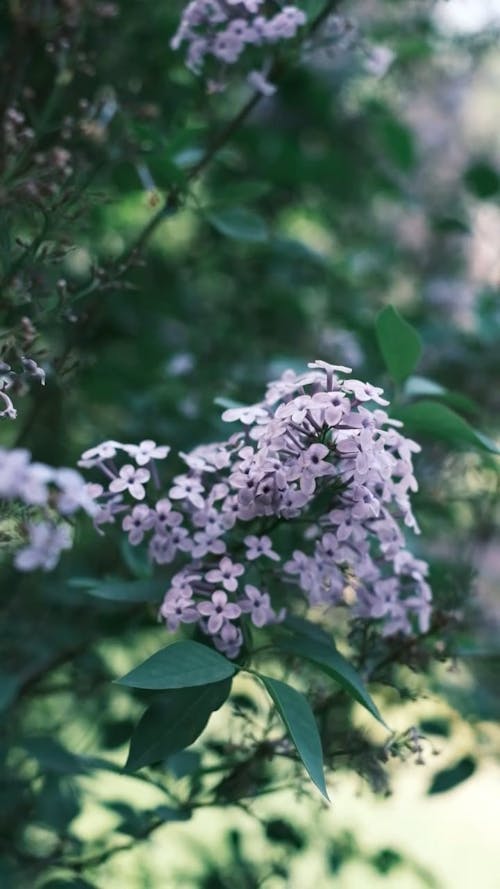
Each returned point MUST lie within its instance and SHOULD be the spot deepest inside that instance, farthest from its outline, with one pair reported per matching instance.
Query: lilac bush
(308, 502)
(50, 497)
(218, 33)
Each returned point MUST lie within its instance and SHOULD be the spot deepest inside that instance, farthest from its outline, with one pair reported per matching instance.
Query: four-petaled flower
(187, 488)
(104, 451)
(260, 546)
(141, 519)
(131, 479)
(178, 609)
(257, 605)
(218, 610)
(226, 574)
(146, 451)
(246, 415)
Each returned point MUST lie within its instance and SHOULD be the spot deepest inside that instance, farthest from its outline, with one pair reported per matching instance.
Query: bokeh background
(371, 177)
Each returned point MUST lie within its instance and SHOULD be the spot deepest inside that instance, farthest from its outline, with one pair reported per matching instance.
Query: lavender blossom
(218, 33)
(140, 520)
(305, 503)
(131, 480)
(260, 546)
(48, 494)
(218, 610)
(226, 574)
(46, 542)
(257, 605)
(146, 451)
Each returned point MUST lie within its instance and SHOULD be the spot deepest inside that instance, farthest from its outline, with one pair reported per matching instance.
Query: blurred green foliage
(332, 200)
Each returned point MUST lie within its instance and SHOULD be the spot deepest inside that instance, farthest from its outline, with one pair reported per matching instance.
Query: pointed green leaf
(303, 627)
(117, 590)
(239, 224)
(422, 387)
(482, 180)
(330, 661)
(449, 778)
(228, 403)
(299, 719)
(180, 665)
(399, 343)
(52, 756)
(174, 722)
(416, 386)
(434, 420)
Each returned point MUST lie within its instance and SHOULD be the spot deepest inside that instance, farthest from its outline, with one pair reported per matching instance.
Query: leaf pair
(198, 681)
(401, 348)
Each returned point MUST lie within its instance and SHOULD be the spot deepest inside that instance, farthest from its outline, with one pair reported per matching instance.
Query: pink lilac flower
(49, 493)
(162, 551)
(187, 488)
(9, 410)
(257, 605)
(259, 546)
(164, 516)
(247, 415)
(218, 609)
(93, 456)
(146, 451)
(140, 520)
(229, 640)
(226, 574)
(46, 542)
(33, 369)
(222, 31)
(318, 459)
(204, 543)
(131, 480)
(178, 609)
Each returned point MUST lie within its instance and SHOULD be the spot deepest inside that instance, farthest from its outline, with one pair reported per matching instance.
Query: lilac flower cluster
(221, 31)
(306, 502)
(11, 379)
(50, 495)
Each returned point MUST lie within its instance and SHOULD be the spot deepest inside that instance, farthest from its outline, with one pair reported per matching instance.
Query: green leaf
(136, 559)
(180, 665)
(482, 180)
(228, 403)
(416, 387)
(299, 719)
(399, 343)
(121, 590)
(188, 157)
(57, 802)
(303, 627)
(449, 778)
(9, 687)
(238, 192)
(69, 882)
(183, 763)
(450, 225)
(397, 142)
(239, 224)
(334, 664)
(435, 420)
(53, 757)
(174, 722)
